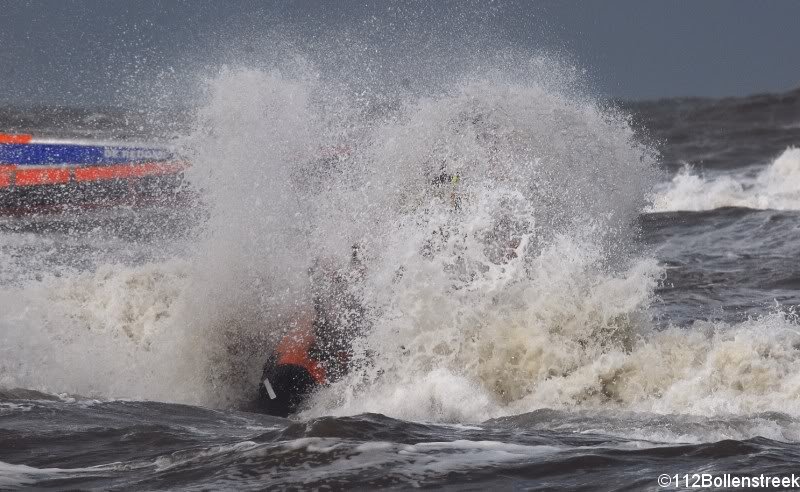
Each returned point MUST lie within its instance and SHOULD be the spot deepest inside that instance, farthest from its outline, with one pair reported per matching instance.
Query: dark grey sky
(100, 52)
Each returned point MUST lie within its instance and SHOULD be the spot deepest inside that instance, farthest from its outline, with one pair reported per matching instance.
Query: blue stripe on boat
(37, 154)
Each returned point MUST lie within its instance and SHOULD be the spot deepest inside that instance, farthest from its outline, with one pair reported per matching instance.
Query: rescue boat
(41, 171)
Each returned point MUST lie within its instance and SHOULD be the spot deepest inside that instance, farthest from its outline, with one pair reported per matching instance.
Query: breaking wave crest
(108, 333)
(775, 187)
(498, 264)
(707, 370)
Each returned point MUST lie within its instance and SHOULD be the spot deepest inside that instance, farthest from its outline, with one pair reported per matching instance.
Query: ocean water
(607, 295)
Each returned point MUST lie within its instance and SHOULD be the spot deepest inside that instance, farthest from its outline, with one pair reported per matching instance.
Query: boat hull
(49, 173)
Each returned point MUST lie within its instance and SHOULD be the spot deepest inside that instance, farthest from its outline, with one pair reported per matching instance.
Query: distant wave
(776, 187)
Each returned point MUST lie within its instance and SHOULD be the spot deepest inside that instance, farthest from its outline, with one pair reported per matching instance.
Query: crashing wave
(776, 187)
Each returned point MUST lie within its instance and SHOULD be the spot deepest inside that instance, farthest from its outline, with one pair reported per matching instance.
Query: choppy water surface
(601, 299)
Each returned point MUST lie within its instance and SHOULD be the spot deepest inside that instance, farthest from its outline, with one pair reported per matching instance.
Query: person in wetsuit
(317, 347)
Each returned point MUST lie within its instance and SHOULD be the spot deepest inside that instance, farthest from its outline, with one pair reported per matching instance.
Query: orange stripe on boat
(5, 175)
(9, 138)
(33, 177)
(102, 173)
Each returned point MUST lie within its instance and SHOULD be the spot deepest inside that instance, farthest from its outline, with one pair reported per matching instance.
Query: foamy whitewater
(549, 303)
(775, 187)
